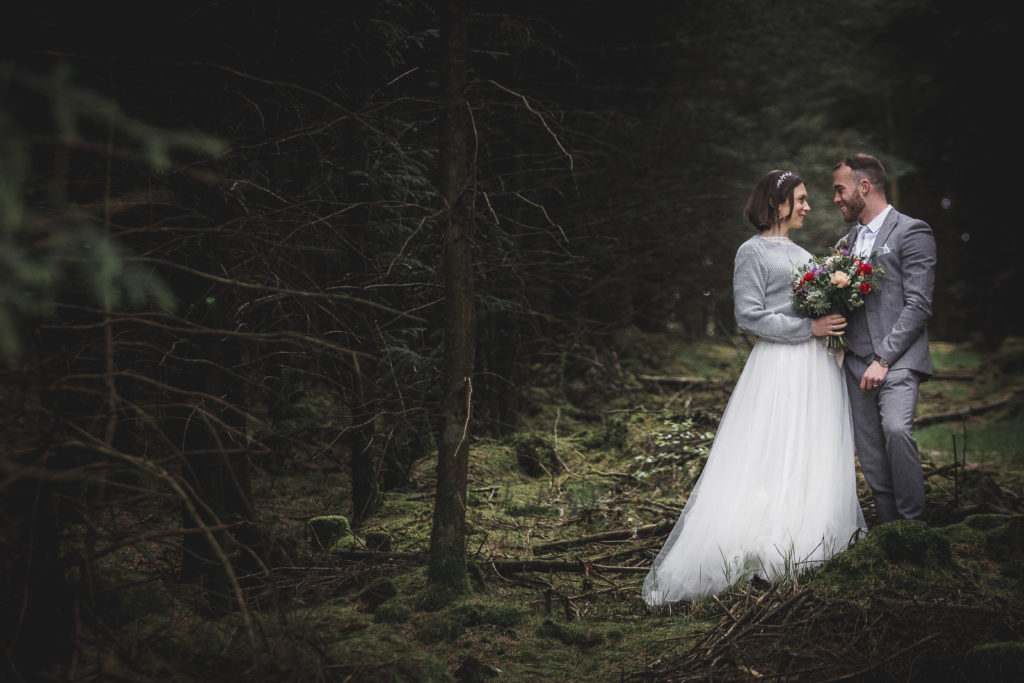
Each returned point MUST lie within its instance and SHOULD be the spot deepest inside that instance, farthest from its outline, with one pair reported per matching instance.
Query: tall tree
(448, 536)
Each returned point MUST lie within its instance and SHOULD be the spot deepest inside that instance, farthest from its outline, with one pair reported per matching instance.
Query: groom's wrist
(881, 361)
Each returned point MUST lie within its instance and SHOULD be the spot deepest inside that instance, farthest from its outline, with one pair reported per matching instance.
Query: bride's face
(800, 208)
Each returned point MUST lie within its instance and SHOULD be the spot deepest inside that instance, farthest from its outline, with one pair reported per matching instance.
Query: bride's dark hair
(773, 191)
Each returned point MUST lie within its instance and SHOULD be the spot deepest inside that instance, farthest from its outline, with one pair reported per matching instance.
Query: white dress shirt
(866, 234)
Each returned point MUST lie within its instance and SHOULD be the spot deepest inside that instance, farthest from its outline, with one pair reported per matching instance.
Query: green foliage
(46, 247)
(70, 102)
(947, 356)
(817, 292)
(377, 592)
(675, 443)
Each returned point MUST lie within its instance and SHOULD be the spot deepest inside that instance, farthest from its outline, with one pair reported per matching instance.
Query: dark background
(672, 109)
(221, 236)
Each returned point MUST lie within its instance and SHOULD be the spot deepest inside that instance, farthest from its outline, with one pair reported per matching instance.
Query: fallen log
(379, 555)
(685, 382)
(942, 377)
(577, 567)
(960, 414)
(663, 526)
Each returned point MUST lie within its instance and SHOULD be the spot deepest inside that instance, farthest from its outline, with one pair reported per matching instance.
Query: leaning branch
(618, 535)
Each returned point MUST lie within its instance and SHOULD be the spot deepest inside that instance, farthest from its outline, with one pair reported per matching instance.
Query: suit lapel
(851, 237)
(887, 227)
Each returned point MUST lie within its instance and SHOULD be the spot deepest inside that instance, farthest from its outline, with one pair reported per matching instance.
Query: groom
(887, 355)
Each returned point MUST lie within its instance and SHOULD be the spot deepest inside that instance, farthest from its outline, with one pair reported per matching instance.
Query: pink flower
(840, 279)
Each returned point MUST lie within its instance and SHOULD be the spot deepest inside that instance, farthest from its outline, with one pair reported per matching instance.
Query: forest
(382, 340)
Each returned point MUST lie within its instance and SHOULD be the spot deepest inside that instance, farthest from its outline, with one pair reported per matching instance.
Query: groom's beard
(852, 208)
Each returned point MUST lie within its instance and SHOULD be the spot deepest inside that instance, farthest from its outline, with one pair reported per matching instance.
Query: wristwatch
(881, 361)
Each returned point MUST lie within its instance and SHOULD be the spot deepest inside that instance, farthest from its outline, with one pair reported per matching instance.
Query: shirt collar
(877, 221)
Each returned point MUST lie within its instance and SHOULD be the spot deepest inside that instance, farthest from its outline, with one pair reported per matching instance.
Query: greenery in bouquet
(837, 283)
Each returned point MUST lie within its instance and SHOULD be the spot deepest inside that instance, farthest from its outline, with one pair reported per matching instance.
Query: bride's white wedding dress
(778, 493)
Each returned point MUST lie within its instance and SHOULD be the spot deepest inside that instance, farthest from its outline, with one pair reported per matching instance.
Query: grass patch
(988, 442)
(942, 598)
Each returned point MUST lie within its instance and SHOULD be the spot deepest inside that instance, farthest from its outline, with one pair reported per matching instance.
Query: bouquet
(837, 283)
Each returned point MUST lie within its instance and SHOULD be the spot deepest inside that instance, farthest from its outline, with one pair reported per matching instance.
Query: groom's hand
(873, 376)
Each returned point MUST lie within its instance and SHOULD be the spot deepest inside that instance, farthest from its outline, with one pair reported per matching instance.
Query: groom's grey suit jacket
(892, 322)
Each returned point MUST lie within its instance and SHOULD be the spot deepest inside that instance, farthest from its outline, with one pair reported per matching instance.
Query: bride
(778, 493)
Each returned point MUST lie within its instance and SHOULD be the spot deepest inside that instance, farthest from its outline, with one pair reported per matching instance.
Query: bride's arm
(750, 287)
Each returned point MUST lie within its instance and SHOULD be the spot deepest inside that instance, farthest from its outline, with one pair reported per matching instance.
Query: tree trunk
(448, 537)
(217, 470)
(366, 442)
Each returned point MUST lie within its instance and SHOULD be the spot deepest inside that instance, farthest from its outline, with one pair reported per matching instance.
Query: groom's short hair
(868, 167)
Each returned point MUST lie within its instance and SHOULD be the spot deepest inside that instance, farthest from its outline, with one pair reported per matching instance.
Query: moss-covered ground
(618, 453)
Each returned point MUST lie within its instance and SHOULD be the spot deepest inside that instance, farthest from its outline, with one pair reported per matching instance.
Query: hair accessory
(783, 177)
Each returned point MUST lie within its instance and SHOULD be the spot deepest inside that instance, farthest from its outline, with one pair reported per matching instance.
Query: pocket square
(884, 250)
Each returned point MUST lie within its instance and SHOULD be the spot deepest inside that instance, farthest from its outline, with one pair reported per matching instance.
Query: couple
(778, 493)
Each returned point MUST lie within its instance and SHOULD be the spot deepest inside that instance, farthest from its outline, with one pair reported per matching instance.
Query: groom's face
(848, 195)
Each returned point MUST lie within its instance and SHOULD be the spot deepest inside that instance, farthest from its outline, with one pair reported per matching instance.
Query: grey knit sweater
(762, 290)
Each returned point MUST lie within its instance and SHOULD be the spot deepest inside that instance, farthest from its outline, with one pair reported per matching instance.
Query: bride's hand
(831, 325)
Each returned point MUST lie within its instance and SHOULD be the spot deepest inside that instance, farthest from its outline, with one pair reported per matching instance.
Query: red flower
(864, 268)
(808, 277)
(865, 287)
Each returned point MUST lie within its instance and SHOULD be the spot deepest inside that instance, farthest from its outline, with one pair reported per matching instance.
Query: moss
(498, 614)
(535, 453)
(590, 439)
(439, 627)
(576, 635)
(379, 655)
(901, 556)
(391, 614)
(377, 592)
(378, 540)
(1005, 543)
(911, 542)
(530, 509)
(472, 670)
(617, 433)
(451, 623)
(985, 522)
(1001, 661)
(331, 532)
(435, 597)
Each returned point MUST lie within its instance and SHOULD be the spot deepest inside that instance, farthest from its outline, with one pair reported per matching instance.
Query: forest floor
(565, 516)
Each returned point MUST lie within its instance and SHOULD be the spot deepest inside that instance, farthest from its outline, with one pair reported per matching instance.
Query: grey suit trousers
(884, 442)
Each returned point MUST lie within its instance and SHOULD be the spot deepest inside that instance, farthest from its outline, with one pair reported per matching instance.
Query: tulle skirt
(778, 494)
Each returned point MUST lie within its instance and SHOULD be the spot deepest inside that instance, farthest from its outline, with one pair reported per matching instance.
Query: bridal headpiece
(783, 177)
